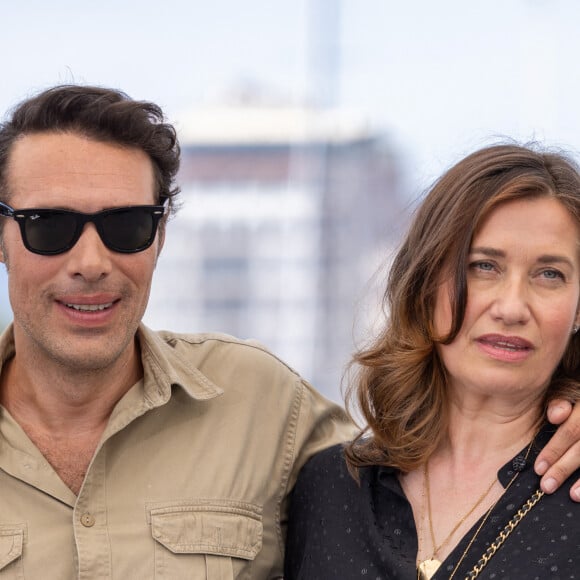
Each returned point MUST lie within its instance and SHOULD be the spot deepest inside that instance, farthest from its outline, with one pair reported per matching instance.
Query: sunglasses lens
(129, 230)
(49, 232)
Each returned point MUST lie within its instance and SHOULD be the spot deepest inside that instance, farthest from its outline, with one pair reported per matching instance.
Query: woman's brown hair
(399, 380)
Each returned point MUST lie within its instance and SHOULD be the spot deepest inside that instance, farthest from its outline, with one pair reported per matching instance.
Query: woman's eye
(483, 266)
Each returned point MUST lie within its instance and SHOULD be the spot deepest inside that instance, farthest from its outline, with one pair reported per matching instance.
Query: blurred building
(286, 214)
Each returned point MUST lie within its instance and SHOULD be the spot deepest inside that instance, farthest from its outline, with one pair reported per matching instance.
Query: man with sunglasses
(127, 453)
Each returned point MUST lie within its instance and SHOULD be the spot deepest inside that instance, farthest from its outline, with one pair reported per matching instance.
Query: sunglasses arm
(6, 210)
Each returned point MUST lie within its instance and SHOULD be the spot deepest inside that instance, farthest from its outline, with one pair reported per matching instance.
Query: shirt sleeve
(320, 425)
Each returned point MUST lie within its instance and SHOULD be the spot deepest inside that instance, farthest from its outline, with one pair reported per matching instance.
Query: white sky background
(441, 78)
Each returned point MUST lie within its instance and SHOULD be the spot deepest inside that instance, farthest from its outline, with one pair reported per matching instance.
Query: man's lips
(89, 307)
(510, 343)
(88, 303)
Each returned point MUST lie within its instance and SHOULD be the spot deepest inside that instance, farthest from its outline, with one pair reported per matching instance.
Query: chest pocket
(11, 544)
(213, 539)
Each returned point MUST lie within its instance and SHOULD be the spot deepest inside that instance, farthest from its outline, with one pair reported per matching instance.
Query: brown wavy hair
(106, 115)
(400, 383)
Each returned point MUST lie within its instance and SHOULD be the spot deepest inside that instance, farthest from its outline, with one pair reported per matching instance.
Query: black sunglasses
(54, 231)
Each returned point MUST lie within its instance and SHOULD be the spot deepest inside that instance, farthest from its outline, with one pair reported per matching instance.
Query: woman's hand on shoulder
(561, 456)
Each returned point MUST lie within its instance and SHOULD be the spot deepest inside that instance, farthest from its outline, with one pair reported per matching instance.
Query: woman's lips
(501, 341)
(507, 348)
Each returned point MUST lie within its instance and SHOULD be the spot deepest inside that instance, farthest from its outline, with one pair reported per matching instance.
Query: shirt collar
(525, 459)
(7, 345)
(165, 365)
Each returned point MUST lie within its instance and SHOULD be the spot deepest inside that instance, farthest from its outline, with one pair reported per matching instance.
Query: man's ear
(162, 242)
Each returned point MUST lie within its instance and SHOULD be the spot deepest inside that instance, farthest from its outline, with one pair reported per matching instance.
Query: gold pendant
(427, 568)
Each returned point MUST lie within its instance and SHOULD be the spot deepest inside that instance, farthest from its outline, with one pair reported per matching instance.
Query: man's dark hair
(106, 115)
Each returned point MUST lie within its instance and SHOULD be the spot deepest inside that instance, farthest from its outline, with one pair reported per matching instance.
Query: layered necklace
(427, 568)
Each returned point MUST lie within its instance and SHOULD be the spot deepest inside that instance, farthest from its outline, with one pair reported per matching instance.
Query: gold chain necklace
(427, 568)
(501, 538)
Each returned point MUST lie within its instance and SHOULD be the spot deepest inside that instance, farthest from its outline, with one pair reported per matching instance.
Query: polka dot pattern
(340, 530)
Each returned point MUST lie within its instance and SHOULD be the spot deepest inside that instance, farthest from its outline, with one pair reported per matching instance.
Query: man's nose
(89, 258)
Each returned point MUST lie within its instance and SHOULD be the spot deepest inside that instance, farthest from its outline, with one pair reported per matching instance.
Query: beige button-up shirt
(190, 479)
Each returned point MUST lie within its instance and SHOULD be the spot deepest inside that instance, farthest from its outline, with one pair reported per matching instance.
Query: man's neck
(61, 400)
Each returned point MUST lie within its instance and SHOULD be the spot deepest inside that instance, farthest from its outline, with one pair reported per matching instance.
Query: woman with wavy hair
(483, 303)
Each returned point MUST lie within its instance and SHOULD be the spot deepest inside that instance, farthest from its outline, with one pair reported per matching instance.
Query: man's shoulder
(219, 360)
(211, 339)
(226, 369)
(237, 350)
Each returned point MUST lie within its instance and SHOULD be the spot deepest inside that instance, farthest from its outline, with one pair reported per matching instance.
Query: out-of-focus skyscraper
(286, 214)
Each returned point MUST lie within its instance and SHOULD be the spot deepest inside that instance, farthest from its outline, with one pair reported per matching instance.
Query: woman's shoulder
(328, 470)
(324, 483)
(330, 463)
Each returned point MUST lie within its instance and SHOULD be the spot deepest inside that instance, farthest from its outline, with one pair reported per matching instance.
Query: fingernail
(550, 485)
(542, 467)
(576, 493)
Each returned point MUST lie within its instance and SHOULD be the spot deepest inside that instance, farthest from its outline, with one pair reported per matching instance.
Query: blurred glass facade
(286, 214)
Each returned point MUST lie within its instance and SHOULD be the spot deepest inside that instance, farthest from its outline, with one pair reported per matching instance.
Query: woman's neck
(461, 476)
(481, 429)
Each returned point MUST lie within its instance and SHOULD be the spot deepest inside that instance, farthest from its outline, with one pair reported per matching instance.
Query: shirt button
(88, 520)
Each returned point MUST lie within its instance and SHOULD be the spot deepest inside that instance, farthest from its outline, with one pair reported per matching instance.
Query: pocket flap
(226, 529)
(11, 542)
